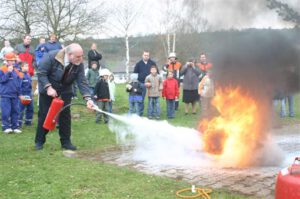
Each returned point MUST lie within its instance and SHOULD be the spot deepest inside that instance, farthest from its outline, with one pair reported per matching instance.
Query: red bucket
(26, 100)
(288, 182)
(52, 116)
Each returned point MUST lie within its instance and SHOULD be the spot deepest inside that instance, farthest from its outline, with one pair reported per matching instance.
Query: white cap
(172, 54)
(104, 71)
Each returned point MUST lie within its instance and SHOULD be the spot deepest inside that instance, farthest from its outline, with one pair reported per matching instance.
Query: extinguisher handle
(297, 159)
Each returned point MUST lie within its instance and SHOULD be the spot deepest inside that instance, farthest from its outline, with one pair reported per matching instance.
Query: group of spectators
(19, 64)
(146, 79)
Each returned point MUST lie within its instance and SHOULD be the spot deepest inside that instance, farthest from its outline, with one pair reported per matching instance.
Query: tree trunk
(127, 55)
(168, 43)
(174, 42)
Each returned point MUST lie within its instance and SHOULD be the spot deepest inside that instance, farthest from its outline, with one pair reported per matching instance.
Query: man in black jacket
(142, 68)
(57, 71)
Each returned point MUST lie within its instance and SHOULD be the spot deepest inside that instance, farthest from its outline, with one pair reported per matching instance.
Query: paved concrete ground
(255, 182)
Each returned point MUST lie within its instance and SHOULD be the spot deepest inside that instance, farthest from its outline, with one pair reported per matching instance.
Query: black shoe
(69, 147)
(38, 146)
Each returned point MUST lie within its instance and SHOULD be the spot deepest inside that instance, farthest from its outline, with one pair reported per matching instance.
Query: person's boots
(69, 146)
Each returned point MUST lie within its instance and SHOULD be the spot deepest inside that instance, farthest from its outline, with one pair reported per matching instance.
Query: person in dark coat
(134, 88)
(102, 95)
(57, 71)
(142, 68)
(94, 56)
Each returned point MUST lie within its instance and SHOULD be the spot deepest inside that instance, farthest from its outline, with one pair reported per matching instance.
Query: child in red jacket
(170, 93)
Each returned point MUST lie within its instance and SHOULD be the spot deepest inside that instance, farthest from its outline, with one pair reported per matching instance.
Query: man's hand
(10, 68)
(51, 92)
(21, 97)
(90, 104)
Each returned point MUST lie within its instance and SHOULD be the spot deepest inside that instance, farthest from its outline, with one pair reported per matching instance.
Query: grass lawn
(26, 173)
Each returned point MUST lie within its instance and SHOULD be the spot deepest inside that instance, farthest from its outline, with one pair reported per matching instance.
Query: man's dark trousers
(64, 119)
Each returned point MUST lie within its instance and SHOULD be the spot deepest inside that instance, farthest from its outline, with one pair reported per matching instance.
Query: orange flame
(235, 133)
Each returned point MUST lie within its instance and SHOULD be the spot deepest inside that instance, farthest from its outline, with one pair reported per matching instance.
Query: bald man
(57, 71)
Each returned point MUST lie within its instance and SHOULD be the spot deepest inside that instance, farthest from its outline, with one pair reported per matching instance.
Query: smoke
(261, 62)
(240, 14)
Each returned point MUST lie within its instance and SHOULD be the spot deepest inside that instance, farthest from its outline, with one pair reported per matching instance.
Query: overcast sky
(220, 14)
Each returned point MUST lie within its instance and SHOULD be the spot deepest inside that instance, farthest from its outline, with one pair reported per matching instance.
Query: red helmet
(10, 56)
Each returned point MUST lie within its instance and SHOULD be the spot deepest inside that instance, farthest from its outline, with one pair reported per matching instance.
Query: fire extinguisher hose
(200, 193)
(66, 106)
(80, 104)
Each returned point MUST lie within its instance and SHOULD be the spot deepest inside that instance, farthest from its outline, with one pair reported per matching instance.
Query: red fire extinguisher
(52, 116)
(288, 182)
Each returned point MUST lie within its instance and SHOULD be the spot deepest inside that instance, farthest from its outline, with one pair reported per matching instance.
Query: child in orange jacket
(10, 92)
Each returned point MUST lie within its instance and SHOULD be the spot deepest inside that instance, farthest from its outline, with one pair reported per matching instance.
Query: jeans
(153, 107)
(171, 108)
(64, 119)
(135, 107)
(110, 105)
(282, 106)
(103, 106)
(91, 89)
(176, 105)
(28, 113)
(290, 99)
(142, 107)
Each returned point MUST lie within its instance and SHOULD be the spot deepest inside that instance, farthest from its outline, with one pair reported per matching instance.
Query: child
(10, 81)
(135, 90)
(154, 84)
(40, 50)
(170, 93)
(26, 90)
(92, 76)
(206, 91)
(112, 91)
(101, 94)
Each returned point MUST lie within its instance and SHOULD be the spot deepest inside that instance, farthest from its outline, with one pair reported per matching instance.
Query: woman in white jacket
(112, 91)
(206, 90)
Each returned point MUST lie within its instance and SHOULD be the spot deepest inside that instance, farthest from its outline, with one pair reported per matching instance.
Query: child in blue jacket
(26, 90)
(10, 82)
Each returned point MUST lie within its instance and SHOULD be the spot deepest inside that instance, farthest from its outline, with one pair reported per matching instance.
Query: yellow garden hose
(200, 193)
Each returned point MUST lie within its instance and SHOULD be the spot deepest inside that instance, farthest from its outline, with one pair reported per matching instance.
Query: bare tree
(192, 18)
(125, 15)
(285, 11)
(18, 17)
(70, 18)
(65, 18)
(170, 16)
